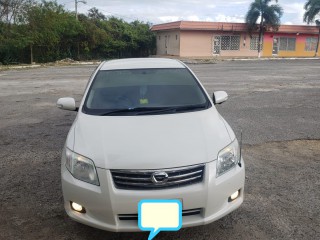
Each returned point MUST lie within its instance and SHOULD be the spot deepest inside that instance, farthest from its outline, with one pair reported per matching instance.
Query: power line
(103, 11)
(66, 2)
(113, 14)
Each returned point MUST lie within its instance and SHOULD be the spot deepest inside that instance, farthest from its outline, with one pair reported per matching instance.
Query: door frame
(277, 46)
(216, 39)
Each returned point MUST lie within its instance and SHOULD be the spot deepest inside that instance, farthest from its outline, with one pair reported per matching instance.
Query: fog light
(77, 207)
(234, 196)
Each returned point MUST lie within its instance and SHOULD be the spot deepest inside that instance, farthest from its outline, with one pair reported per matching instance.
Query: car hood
(150, 141)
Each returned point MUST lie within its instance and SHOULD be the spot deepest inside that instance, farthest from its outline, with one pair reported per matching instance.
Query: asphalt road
(275, 103)
(269, 100)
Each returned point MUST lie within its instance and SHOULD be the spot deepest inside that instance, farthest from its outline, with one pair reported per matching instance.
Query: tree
(95, 14)
(13, 41)
(44, 31)
(312, 8)
(144, 38)
(51, 30)
(13, 11)
(268, 15)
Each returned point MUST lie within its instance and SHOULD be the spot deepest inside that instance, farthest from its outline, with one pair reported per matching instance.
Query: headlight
(228, 158)
(81, 167)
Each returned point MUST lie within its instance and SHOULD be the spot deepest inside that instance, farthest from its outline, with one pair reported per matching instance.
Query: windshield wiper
(176, 109)
(132, 110)
(155, 110)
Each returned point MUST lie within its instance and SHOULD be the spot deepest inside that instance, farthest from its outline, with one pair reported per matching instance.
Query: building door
(166, 44)
(216, 45)
(275, 49)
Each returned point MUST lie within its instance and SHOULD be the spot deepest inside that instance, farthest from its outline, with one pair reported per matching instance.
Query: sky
(161, 11)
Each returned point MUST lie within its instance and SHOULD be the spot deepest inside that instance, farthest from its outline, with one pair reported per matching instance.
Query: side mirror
(67, 103)
(219, 97)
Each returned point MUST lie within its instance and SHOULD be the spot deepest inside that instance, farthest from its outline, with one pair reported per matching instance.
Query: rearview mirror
(219, 97)
(67, 103)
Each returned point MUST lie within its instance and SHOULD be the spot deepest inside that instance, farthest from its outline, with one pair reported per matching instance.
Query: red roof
(227, 26)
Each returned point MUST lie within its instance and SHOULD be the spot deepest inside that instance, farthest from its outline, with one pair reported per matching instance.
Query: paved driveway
(275, 103)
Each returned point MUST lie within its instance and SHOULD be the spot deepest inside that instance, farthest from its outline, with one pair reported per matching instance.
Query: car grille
(189, 212)
(142, 179)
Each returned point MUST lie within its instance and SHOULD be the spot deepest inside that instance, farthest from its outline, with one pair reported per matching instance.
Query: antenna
(240, 149)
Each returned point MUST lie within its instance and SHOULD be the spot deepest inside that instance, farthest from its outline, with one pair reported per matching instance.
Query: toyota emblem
(159, 177)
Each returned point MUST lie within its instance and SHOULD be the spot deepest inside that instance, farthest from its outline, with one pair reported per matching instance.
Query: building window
(176, 37)
(159, 37)
(254, 43)
(311, 44)
(230, 42)
(287, 44)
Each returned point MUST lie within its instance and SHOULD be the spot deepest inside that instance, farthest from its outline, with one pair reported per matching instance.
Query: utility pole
(76, 10)
(76, 6)
(317, 47)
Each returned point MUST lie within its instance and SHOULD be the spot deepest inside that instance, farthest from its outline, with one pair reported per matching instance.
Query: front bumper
(105, 203)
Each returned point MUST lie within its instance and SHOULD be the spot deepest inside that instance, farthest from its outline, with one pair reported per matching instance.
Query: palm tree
(312, 8)
(268, 15)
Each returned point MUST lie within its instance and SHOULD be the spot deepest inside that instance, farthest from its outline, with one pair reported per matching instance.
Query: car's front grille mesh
(189, 212)
(142, 179)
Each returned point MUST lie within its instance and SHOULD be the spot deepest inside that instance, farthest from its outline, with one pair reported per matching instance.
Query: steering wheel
(124, 101)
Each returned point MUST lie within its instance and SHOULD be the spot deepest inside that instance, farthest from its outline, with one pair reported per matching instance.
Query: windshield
(144, 91)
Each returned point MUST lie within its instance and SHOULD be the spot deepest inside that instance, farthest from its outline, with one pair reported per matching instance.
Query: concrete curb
(216, 60)
(17, 67)
(258, 59)
(188, 61)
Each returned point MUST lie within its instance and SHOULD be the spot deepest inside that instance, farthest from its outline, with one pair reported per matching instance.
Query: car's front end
(114, 159)
(115, 209)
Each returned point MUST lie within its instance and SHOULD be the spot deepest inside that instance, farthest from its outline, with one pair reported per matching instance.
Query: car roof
(141, 63)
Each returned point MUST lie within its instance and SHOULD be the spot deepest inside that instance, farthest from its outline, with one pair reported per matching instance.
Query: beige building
(209, 39)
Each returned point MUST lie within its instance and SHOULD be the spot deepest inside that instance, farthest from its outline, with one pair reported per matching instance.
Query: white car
(147, 129)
